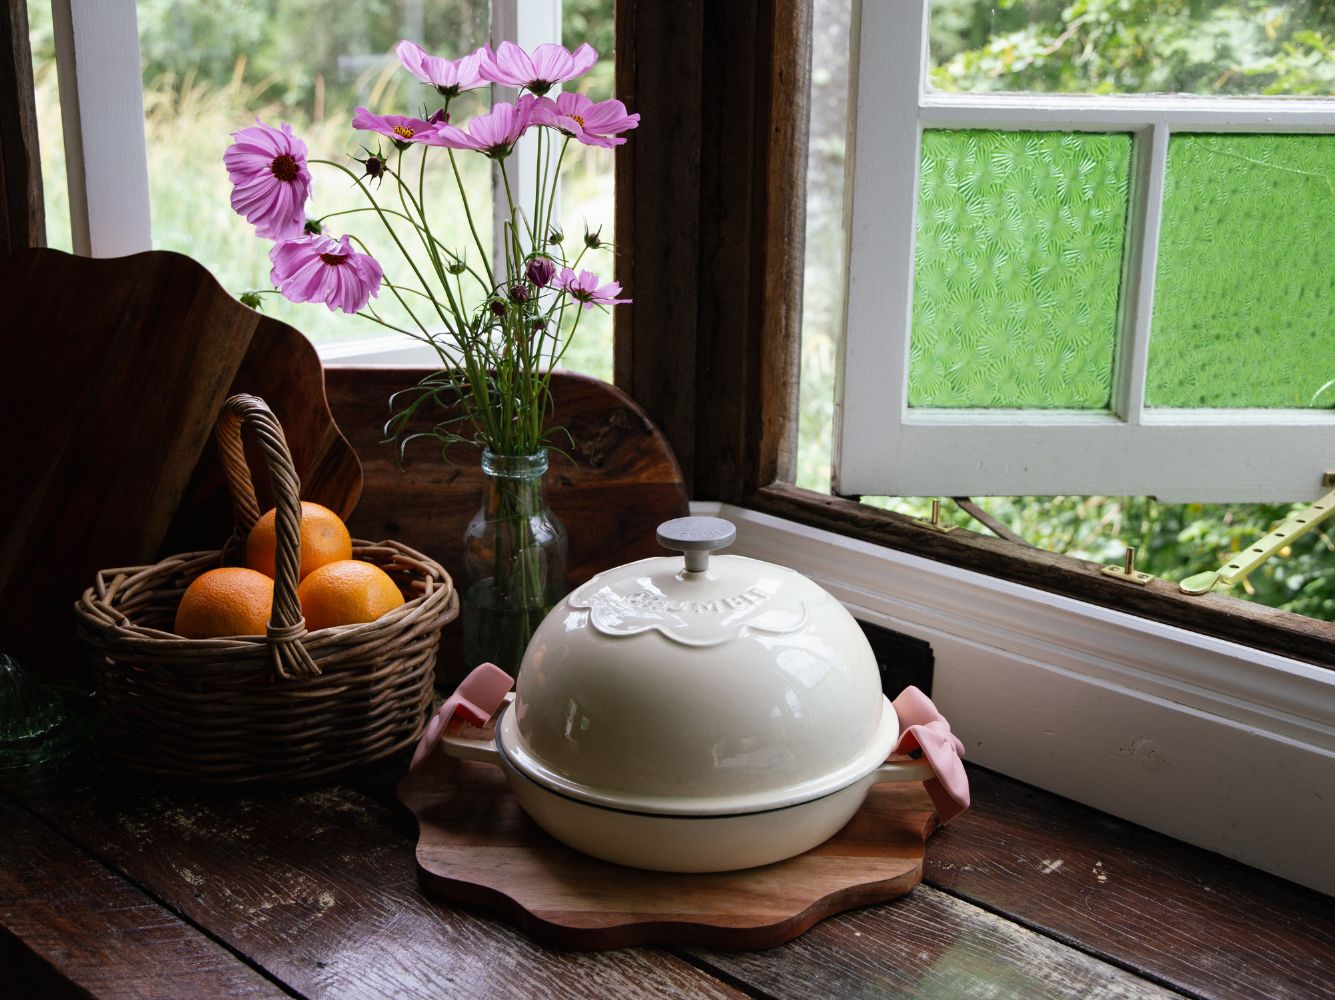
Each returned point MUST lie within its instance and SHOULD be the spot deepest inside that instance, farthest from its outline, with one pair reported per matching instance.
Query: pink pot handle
(474, 700)
(922, 726)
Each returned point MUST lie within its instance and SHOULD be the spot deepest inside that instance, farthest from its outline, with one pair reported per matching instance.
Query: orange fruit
(232, 600)
(347, 592)
(324, 539)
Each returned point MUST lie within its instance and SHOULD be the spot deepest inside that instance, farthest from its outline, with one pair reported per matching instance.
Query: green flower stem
(468, 214)
(422, 233)
(556, 173)
(406, 308)
(393, 234)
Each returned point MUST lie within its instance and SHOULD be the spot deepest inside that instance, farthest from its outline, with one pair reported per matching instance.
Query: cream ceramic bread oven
(696, 715)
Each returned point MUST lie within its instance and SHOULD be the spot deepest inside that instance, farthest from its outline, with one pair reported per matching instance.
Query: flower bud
(498, 307)
(593, 240)
(253, 299)
(556, 238)
(312, 227)
(456, 267)
(540, 271)
(519, 293)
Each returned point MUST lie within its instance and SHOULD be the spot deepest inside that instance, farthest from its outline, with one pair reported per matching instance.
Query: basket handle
(286, 626)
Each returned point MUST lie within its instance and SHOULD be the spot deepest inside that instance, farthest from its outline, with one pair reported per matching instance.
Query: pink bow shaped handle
(480, 694)
(922, 726)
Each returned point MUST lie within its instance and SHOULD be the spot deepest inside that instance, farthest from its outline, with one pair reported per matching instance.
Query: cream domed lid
(710, 685)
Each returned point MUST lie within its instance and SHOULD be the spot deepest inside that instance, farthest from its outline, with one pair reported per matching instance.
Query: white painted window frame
(1212, 742)
(106, 160)
(883, 447)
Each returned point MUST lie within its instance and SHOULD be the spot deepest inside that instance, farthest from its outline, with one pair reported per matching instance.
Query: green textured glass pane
(1244, 309)
(1018, 265)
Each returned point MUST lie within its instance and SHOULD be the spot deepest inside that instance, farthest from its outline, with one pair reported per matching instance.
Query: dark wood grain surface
(312, 891)
(318, 889)
(927, 944)
(658, 201)
(108, 400)
(113, 374)
(1189, 918)
(282, 368)
(72, 927)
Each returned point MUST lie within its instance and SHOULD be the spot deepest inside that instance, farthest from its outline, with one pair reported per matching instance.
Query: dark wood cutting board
(113, 372)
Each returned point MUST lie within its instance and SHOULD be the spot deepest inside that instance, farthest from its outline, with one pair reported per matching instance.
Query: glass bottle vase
(515, 560)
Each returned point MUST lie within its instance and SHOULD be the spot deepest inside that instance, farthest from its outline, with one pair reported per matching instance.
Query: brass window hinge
(934, 522)
(1262, 549)
(1127, 571)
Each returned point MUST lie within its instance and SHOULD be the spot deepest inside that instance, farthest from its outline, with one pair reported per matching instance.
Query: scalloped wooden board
(477, 847)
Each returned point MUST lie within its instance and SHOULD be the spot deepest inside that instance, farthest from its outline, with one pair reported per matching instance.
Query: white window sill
(1215, 743)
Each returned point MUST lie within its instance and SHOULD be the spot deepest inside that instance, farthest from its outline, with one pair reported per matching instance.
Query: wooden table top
(115, 886)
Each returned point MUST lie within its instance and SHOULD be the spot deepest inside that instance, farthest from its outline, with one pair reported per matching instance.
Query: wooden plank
(926, 944)
(1185, 916)
(71, 928)
(24, 223)
(734, 65)
(722, 311)
(658, 210)
(1218, 615)
(317, 888)
(772, 440)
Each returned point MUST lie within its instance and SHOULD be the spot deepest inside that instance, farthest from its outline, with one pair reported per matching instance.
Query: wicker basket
(288, 706)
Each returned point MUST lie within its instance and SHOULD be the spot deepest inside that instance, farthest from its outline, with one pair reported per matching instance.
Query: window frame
(711, 271)
(106, 157)
(885, 447)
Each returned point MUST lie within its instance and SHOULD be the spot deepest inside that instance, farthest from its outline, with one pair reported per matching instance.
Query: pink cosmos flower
(550, 64)
(586, 289)
(451, 78)
(592, 124)
(318, 268)
(494, 134)
(270, 180)
(400, 128)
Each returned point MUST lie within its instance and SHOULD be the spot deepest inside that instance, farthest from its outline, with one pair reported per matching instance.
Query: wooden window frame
(710, 230)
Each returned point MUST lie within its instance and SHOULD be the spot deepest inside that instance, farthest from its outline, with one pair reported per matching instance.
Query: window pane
(823, 259)
(1018, 269)
(588, 201)
(50, 135)
(210, 68)
(1134, 46)
(1244, 310)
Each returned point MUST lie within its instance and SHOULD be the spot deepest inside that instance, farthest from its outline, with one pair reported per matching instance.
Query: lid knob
(696, 537)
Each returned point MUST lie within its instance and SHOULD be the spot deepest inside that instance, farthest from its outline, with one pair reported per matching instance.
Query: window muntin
(884, 446)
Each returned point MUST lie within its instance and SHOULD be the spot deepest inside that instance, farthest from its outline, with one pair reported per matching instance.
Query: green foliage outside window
(1080, 46)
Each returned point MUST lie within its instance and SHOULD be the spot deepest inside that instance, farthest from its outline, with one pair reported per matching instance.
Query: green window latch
(1262, 549)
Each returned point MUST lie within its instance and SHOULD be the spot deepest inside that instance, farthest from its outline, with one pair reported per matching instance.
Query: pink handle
(480, 694)
(922, 726)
